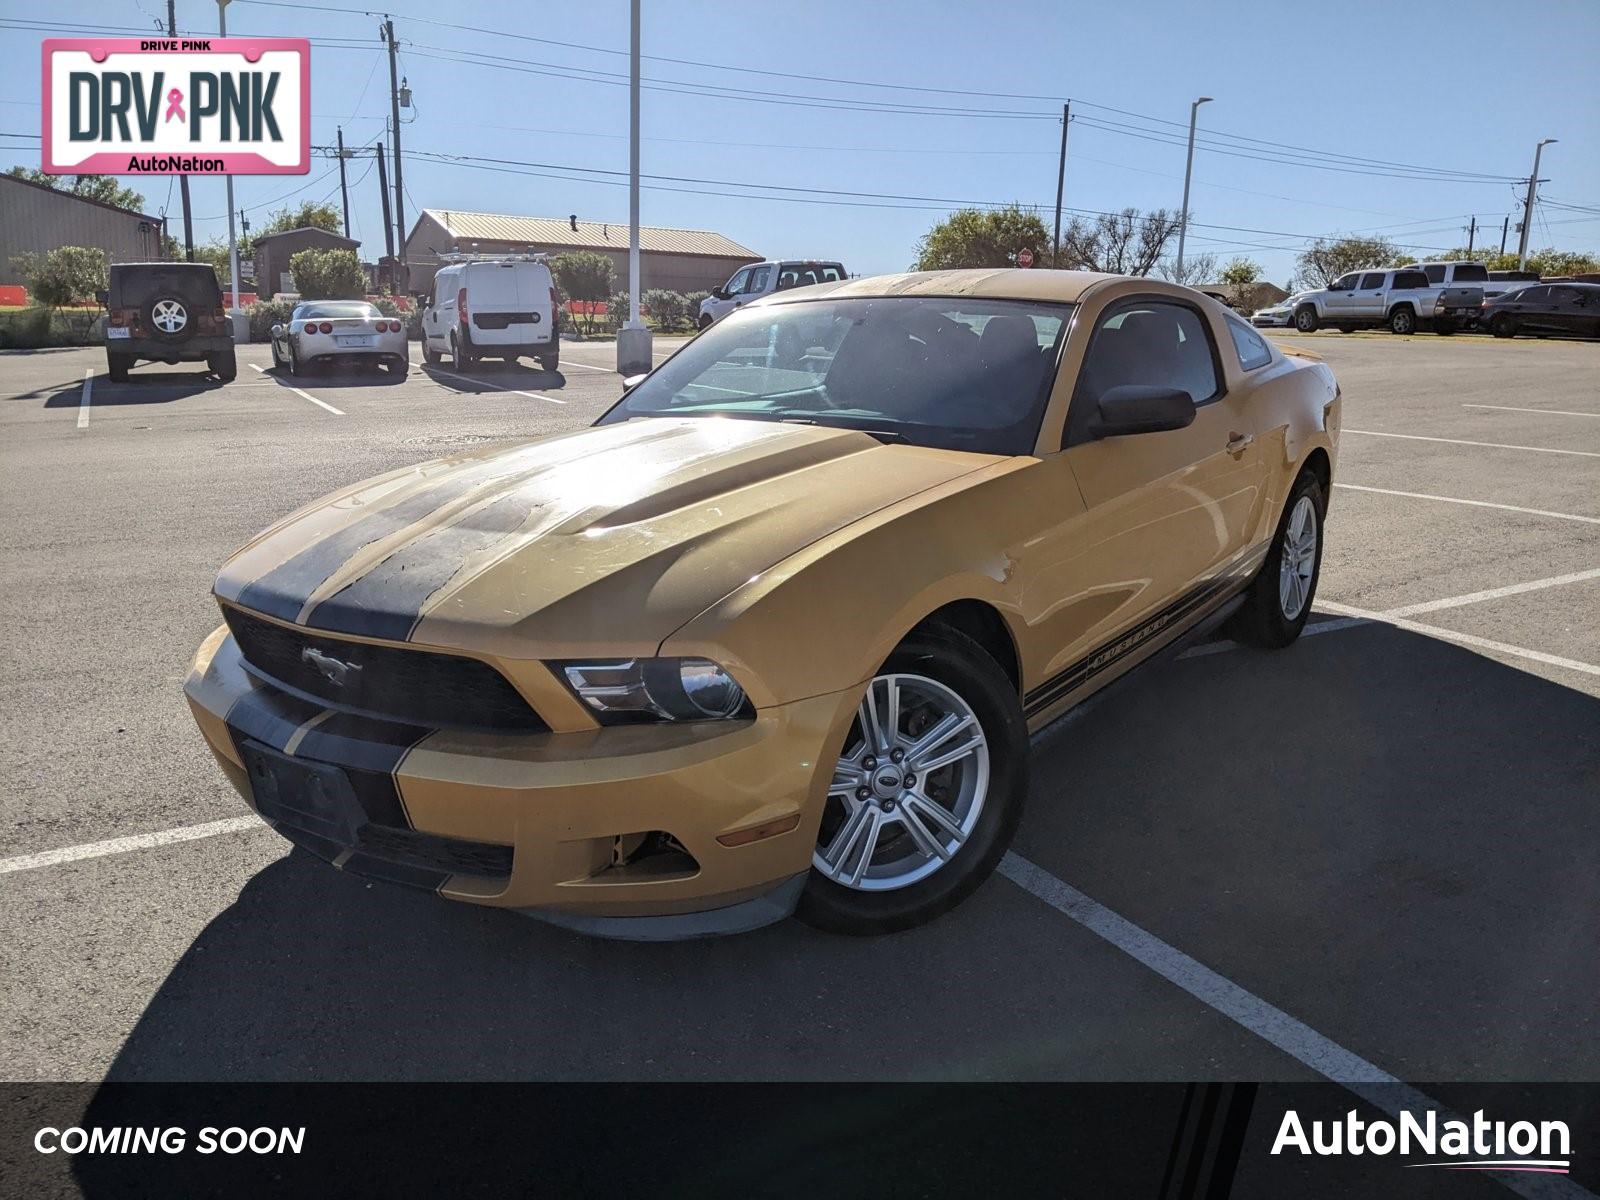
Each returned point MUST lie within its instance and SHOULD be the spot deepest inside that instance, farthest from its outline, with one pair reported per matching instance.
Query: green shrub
(25, 329)
(668, 310)
(328, 275)
(65, 275)
(616, 312)
(264, 314)
(692, 302)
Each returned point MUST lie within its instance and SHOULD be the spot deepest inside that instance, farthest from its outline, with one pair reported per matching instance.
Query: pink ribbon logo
(175, 105)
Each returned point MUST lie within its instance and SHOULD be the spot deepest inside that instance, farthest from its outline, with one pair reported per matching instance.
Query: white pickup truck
(1466, 274)
(1399, 297)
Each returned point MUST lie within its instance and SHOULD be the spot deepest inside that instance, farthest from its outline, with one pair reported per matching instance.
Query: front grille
(439, 691)
(431, 852)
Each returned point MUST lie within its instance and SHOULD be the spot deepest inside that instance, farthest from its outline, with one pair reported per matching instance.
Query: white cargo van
(493, 307)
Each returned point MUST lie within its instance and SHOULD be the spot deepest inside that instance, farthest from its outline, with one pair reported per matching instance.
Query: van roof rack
(486, 256)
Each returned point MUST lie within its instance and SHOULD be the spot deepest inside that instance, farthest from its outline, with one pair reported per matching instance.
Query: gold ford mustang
(775, 631)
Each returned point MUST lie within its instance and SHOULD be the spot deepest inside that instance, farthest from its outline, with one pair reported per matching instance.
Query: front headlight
(625, 690)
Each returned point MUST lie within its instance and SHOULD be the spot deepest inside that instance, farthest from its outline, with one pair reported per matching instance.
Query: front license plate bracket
(313, 797)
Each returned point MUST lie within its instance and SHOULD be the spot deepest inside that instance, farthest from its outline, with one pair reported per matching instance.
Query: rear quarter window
(1251, 346)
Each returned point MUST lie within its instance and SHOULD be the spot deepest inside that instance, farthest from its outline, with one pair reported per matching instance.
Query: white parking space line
(1465, 639)
(499, 387)
(1223, 647)
(83, 400)
(338, 412)
(1296, 1039)
(1553, 412)
(1267, 1021)
(1513, 589)
(122, 845)
(1417, 437)
(1516, 508)
(569, 362)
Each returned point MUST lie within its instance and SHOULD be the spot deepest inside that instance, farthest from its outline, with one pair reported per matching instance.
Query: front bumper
(547, 823)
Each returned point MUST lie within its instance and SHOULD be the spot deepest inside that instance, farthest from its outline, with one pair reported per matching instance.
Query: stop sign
(1024, 257)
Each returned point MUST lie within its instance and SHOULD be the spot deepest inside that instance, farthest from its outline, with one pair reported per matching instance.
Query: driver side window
(1150, 343)
(737, 284)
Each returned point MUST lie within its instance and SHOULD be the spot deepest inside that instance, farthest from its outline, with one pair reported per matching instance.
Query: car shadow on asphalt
(1388, 836)
(339, 376)
(494, 376)
(142, 387)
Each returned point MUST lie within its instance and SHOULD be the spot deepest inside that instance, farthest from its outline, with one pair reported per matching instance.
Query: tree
(1240, 277)
(973, 237)
(1122, 243)
(587, 276)
(215, 252)
(1197, 269)
(92, 187)
(67, 275)
(328, 275)
(1325, 260)
(310, 215)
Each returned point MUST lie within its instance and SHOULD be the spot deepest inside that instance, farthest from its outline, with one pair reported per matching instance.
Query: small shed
(273, 251)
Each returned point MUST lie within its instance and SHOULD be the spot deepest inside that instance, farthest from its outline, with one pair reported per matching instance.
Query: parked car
(1546, 308)
(321, 333)
(763, 279)
(1400, 298)
(1464, 274)
(167, 312)
(496, 307)
(1276, 316)
(775, 631)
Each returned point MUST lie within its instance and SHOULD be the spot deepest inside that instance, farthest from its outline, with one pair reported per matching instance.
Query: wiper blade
(883, 435)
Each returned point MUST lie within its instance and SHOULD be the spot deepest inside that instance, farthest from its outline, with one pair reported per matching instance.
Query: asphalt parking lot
(1386, 835)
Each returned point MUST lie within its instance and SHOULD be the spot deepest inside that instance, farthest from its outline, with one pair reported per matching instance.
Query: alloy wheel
(1298, 561)
(169, 316)
(908, 791)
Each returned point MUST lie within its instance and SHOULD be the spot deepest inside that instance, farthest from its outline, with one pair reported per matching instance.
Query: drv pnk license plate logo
(177, 106)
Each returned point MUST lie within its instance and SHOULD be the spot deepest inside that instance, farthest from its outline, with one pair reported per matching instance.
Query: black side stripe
(1113, 652)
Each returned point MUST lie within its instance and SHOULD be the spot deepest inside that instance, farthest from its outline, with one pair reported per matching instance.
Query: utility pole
(1472, 234)
(399, 176)
(183, 180)
(383, 190)
(1505, 227)
(344, 192)
(1527, 208)
(233, 239)
(633, 339)
(1061, 179)
(1188, 170)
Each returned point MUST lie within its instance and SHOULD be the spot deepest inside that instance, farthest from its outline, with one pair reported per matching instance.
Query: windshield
(960, 374)
(335, 308)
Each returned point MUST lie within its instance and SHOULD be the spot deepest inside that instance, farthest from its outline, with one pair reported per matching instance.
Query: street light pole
(1188, 170)
(1527, 208)
(233, 237)
(633, 339)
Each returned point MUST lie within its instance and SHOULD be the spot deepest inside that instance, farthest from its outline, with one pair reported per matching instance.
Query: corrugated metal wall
(34, 220)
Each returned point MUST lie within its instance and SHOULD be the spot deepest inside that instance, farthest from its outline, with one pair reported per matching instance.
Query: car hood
(606, 539)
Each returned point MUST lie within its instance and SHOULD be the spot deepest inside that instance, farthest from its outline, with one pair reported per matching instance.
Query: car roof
(996, 284)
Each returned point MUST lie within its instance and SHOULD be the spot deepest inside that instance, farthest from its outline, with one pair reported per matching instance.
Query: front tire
(1278, 602)
(705, 321)
(1403, 321)
(1305, 319)
(462, 358)
(927, 790)
(429, 355)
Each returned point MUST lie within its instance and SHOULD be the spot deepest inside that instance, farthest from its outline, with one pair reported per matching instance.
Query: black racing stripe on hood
(282, 591)
(387, 601)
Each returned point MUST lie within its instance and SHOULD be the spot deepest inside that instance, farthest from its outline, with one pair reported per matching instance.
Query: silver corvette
(323, 332)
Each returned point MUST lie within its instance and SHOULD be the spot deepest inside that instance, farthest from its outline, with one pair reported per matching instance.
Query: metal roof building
(40, 218)
(681, 260)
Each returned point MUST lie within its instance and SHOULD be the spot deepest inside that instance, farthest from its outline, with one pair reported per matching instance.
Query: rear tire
(940, 675)
(551, 361)
(1305, 319)
(1276, 609)
(224, 364)
(117, 366)
(1503, 326)
(1403, 321)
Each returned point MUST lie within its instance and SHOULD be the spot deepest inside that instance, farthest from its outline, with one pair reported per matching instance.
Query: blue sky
(1461, 89)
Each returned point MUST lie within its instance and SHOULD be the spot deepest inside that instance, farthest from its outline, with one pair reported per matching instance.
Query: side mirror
(631, 382)
(1140, 408)
(102, 297)
(277, 331)
(719, 293)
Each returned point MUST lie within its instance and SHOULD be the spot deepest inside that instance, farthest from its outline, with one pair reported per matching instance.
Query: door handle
(1238, 441)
